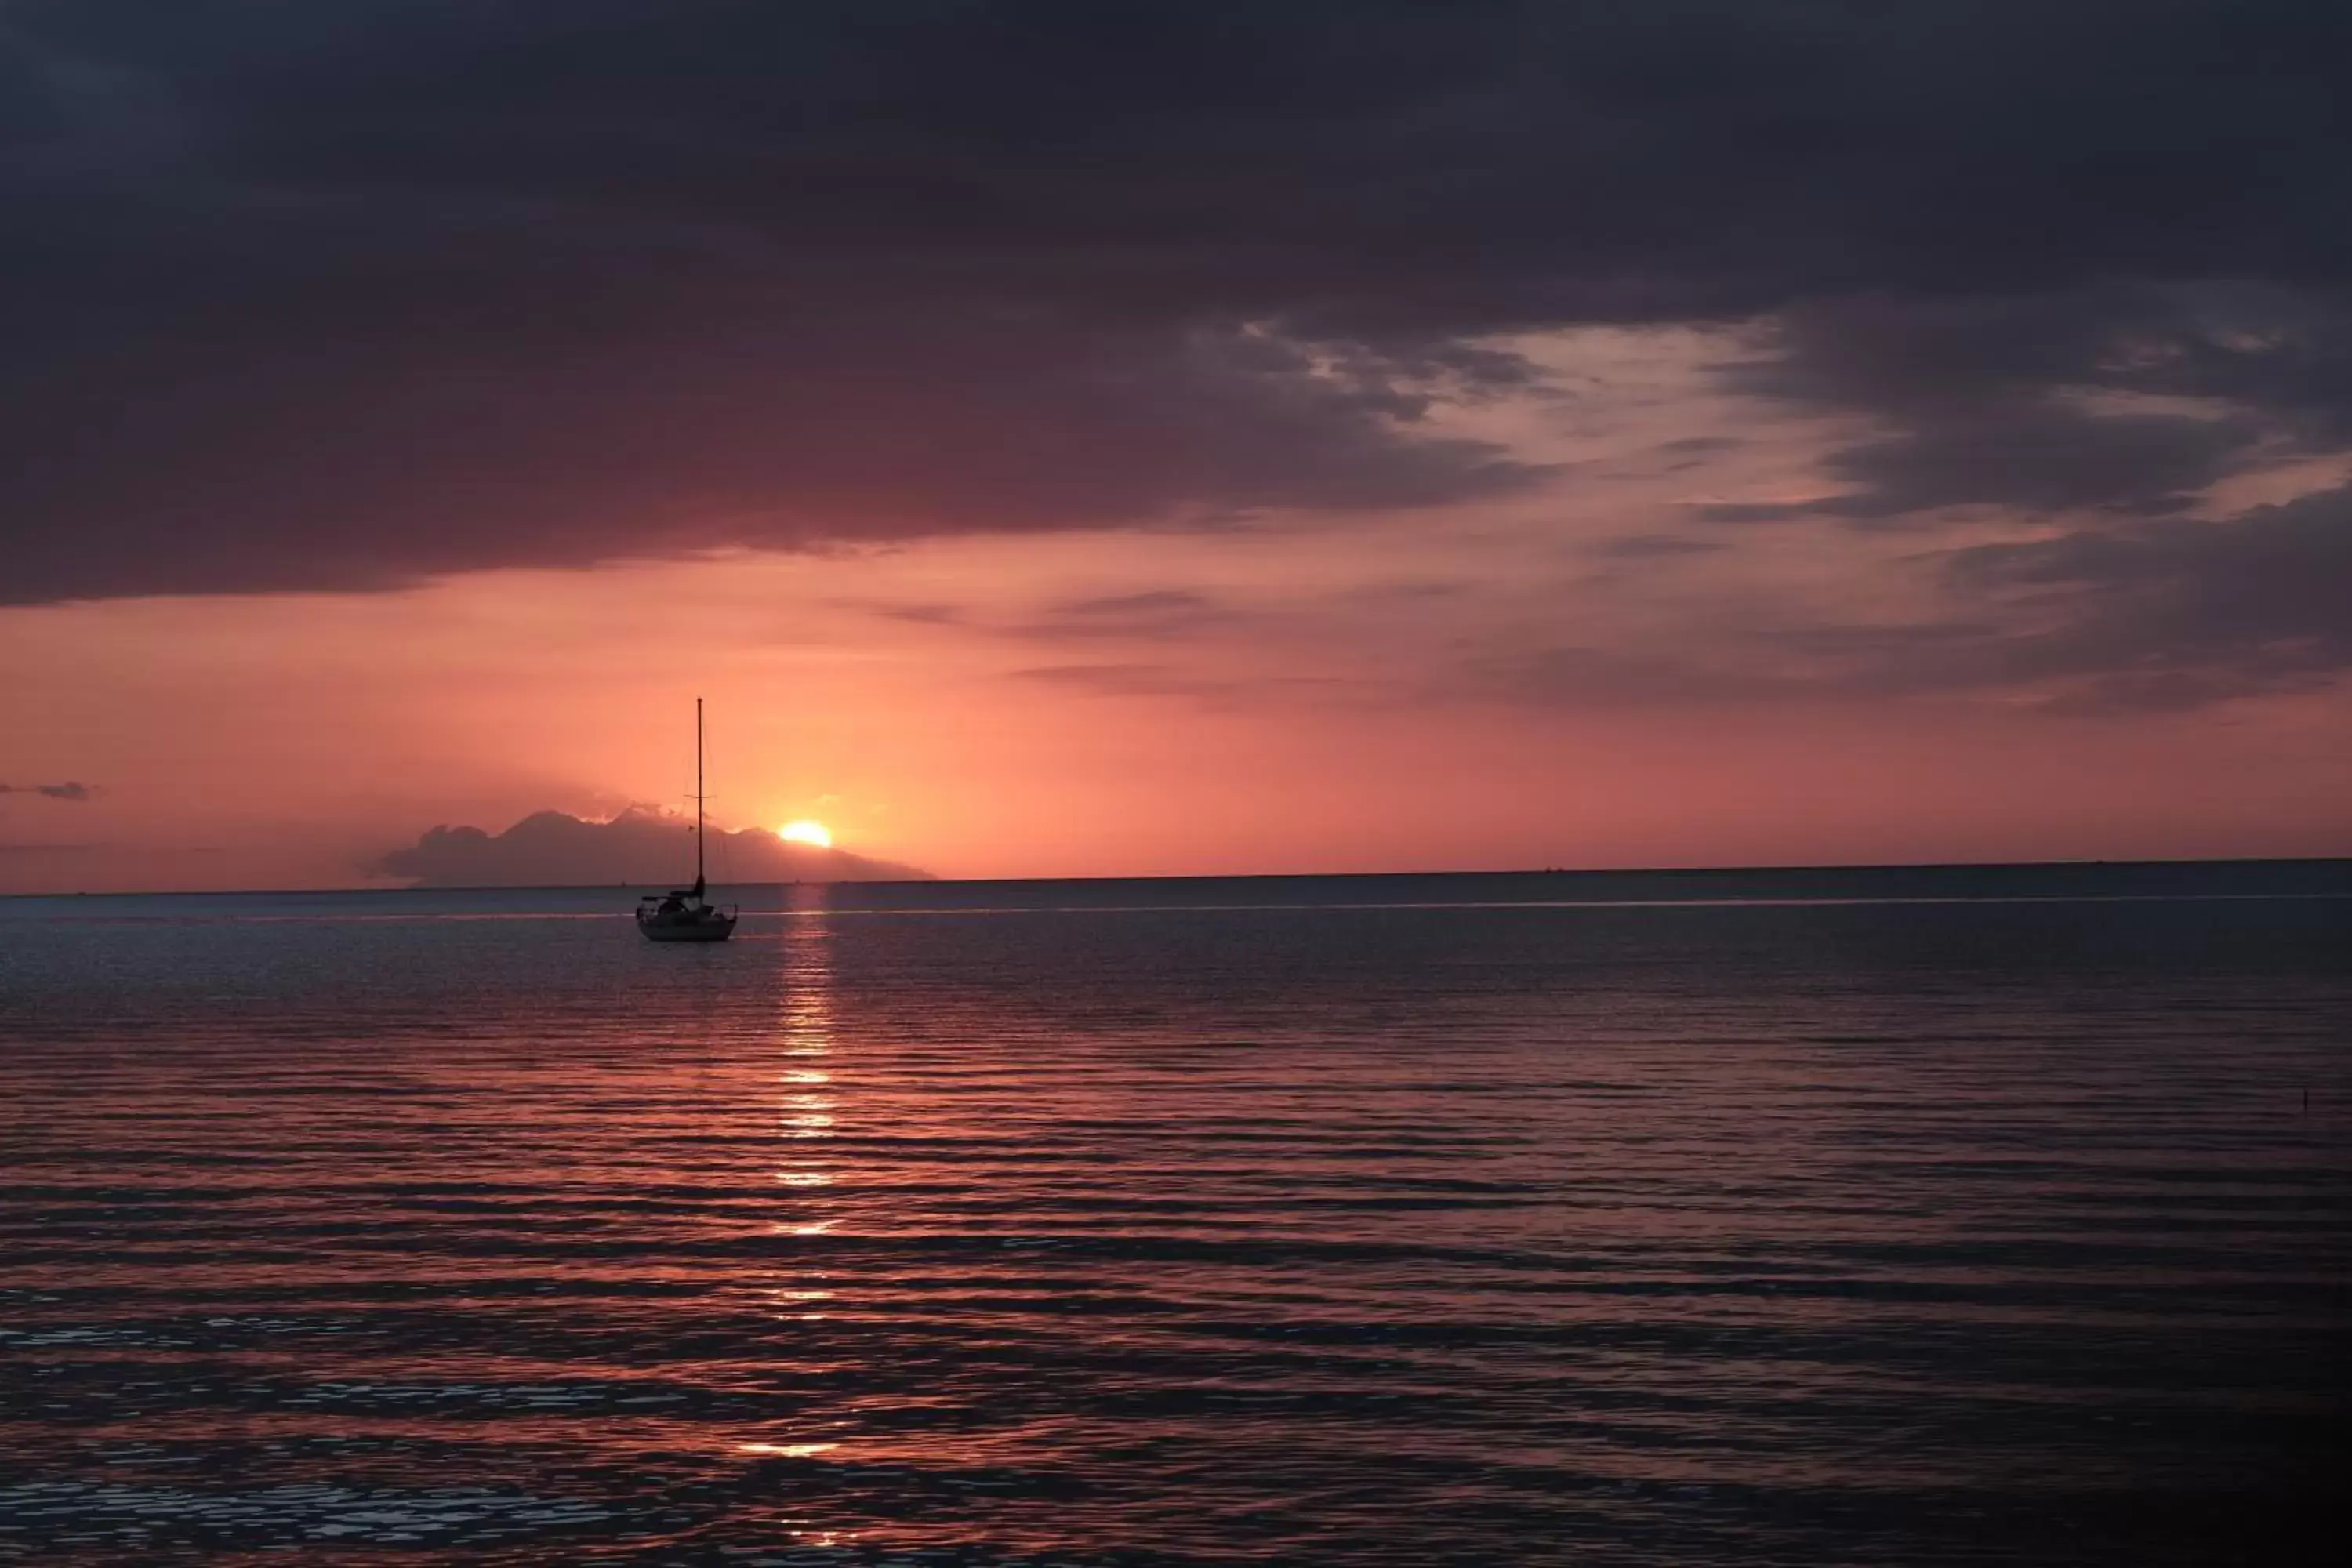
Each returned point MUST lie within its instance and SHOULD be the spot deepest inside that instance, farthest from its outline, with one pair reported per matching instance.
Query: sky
(1060, 440)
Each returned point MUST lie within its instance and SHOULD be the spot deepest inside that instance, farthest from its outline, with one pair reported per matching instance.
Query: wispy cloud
(1157, 615)
(70, 790)
(1144, 679)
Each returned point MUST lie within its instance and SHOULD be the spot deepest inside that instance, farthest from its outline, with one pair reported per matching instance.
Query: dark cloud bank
(347, 296)
(639, 848)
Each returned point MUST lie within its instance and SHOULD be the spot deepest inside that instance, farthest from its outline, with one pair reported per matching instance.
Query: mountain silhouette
(640, 848)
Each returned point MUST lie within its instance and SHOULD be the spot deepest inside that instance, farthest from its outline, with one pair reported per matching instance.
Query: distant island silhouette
(640, 848)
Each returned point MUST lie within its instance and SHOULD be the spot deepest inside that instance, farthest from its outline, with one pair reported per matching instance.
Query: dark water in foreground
(1303, 1222)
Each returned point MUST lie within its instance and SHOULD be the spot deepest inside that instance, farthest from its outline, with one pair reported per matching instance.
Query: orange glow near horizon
(287, 742)
(805, 831)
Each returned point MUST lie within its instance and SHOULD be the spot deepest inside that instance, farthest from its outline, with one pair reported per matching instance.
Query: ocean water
(1823, 1217)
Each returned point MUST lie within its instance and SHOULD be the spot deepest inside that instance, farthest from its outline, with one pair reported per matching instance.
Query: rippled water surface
(1918, 1217)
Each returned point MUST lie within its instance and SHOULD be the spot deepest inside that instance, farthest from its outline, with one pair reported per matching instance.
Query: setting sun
(806, 832)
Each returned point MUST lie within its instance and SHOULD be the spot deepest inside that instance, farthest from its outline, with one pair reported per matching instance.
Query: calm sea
(1821, 1217)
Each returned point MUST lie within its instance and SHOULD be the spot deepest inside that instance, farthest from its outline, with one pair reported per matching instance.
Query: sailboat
(685, 914)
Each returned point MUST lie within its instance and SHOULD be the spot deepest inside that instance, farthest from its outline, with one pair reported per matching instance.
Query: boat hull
(717, 927)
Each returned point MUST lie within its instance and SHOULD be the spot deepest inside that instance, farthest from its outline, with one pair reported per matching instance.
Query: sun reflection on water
(806, 1114)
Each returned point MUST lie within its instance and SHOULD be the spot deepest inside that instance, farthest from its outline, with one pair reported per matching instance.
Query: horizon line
(932, 881)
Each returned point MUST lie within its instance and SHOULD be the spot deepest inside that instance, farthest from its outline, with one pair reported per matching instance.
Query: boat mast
(697, 798)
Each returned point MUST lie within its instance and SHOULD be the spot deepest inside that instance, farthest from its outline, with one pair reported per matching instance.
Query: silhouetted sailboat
(686, 915)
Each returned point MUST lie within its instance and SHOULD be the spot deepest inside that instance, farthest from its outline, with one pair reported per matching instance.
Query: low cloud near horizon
(638, 848)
